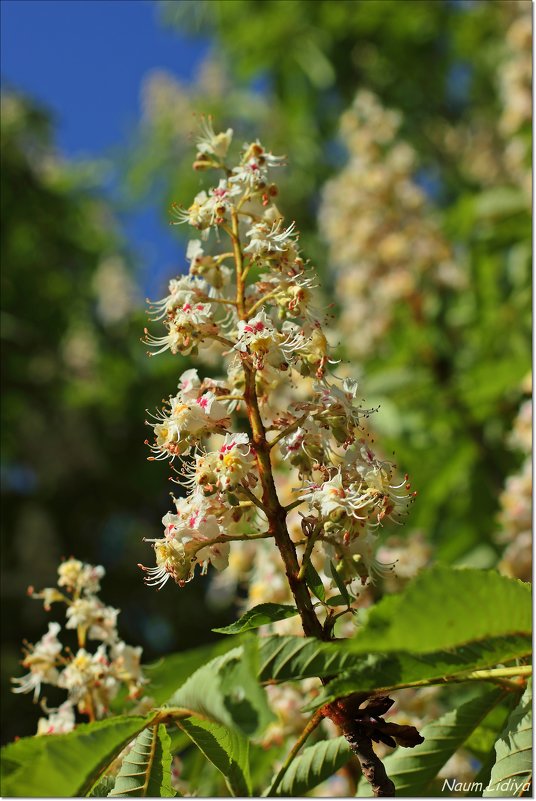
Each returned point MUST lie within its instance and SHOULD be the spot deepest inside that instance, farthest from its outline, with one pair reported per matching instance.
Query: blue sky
(85, 60)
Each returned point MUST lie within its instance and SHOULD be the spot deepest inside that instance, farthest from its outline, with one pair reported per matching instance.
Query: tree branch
(371, 765)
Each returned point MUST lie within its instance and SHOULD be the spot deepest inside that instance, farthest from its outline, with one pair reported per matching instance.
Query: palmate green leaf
(431, 613)
(244, 697)
(169, 673)
(226, 749)
(296, 658)
(511, 774)
(427, 621)
(145, 771)
(226, 691)
(412, 770)
(293, 658)
(65, 765)
(316, 764)
(259, 616)
(381, 673)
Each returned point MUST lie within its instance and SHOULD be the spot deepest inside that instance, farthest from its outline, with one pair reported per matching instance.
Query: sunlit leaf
(431, 613)
(259, 616)
(226, 749)
(169, 673)
(66, 764)
(226, 691)
(379, 673)
(295, 658)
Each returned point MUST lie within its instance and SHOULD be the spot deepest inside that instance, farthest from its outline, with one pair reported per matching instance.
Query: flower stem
(275, 512)
(371, 764)
(296, 424)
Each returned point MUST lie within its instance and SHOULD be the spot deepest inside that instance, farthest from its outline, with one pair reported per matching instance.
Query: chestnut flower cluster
(92, 679)
(515, 94)
(496, 150)
(383, 238)
(251, 295)
(515, 516)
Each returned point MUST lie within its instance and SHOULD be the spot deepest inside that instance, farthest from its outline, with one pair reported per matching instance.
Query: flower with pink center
(252, 172)
(189, 326)
(268, 238)
(59, 721)
(189, 384)
(181, 291)
(227, 468)
(259, 338)
(180, 425)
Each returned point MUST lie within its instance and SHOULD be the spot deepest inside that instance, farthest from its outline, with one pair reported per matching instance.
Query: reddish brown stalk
(361, 745)
(275, 512)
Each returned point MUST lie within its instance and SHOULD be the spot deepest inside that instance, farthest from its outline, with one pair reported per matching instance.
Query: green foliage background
(75, 479)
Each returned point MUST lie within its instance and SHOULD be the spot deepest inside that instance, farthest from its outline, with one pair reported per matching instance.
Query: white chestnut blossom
(384, 241)
(266, 238)
(306, 346)
(208, 210)
(42, 661)
(252, 172)
(189, 384)
(91, 679)
(181, 423)
(80, 576)
(259, 337)
(90, 614)
(90, 674)
(193, 535)
(356, 561)
(208, 267)
(59, 721)
(189, 324)
(354, 501)
(516, 501)
(276, 361)
(172, 561)
(515, 90)
(126, 660)
(297, 298)
(211, 143)
(302, 423)
(180, 291)
(227, 468)
(305, 446)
